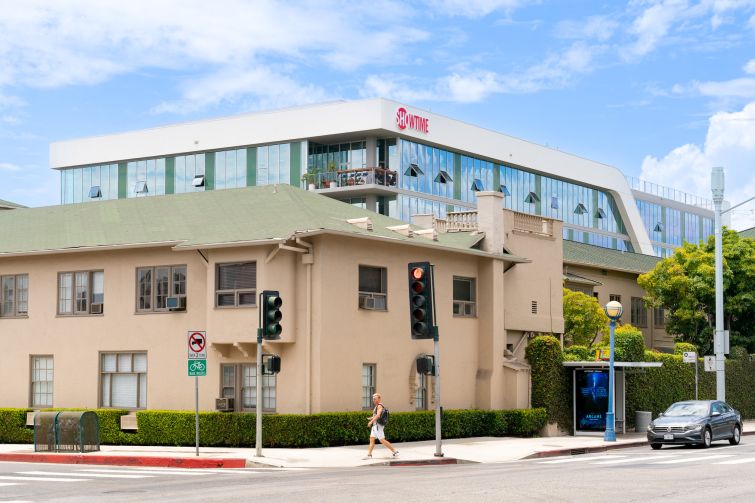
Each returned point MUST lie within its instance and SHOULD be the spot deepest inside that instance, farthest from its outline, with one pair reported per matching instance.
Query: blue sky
(663, 90)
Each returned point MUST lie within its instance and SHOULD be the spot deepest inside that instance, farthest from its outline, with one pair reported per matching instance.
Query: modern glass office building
(389, 158)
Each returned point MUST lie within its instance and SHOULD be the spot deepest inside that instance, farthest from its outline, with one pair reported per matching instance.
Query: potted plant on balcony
(309, 179)
(332, 177)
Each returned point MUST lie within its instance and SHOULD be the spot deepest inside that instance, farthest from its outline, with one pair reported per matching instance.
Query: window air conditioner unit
(96, 309)
(224, 404)
(366, 302)
(175, 303)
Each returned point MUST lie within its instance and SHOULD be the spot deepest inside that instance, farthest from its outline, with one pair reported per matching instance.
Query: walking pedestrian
(377, 430)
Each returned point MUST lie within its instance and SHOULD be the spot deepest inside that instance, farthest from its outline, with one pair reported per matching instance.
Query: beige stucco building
(88, 325)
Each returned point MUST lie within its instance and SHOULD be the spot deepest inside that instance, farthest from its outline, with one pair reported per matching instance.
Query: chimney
(424, 220)
(490, 220)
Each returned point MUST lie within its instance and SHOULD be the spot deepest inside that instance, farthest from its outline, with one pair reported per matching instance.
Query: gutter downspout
(308, 260)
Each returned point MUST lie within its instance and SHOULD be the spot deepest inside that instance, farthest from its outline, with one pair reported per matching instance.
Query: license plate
(668, 436)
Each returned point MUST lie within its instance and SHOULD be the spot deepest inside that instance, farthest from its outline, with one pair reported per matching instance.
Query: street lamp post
(717, 187)
(613, 311)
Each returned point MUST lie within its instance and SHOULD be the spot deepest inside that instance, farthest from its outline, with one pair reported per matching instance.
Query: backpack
(383, 419)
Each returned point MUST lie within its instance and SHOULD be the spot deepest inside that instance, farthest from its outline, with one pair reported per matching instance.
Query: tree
(584, 319)
(684, 285)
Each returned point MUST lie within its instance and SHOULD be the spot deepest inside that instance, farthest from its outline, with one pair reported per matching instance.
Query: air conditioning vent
(366, 302)
(175, 303)
(225, 404)
(96, 309)
(534, 307)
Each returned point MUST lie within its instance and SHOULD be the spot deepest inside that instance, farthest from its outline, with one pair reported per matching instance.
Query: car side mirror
(660, 415)
(714, 414)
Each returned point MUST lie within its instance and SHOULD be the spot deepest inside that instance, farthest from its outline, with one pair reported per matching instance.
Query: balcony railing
(461, 221)
(533, 224)
(669, 193)
(350, 177)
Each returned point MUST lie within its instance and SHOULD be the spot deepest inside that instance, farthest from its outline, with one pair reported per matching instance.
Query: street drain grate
(574, 452)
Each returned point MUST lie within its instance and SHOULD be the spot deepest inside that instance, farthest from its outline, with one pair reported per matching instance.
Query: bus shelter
(590, 394)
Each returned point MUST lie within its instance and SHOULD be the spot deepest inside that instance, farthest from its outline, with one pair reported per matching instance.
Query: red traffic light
(418, 273)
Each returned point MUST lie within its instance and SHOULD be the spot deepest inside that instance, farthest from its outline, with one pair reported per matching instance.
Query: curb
(425, 462)
(152, 461)
(584, 450)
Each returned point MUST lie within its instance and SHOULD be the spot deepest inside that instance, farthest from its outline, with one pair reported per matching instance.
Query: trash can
(66, 431)
(642, 420)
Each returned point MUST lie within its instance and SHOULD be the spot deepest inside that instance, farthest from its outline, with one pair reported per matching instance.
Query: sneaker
(395, 454)
(368, 456)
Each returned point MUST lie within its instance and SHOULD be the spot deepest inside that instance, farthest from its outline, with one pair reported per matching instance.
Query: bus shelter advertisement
(590, 399)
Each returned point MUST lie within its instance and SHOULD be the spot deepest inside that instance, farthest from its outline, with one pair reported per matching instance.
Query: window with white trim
(464, 290)
(368, 384)
(239, 381)
(155, 284)
(373, 290)
(81, 293)
(41, 380)
(123, 380)
(236, 284)
(14, 295)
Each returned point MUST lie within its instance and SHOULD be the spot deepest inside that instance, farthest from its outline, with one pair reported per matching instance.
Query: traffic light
(425, 364)
(421, 300)
(271, 315)
(272, 365)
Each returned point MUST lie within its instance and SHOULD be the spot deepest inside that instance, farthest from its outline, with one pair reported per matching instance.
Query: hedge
(647, 389)
(176, 428)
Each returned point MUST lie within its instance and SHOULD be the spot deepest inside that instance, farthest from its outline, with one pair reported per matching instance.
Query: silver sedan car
(697, 422)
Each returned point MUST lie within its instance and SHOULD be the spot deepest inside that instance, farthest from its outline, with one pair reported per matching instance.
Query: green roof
(7, 205)
(748, 233)
(202, 219)
(615, 260)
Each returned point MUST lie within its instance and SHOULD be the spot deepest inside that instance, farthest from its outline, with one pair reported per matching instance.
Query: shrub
(684, 347)
(551, 386)
(579, 353)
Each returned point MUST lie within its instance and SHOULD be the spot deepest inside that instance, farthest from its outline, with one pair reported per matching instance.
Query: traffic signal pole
(269, 329)
(436, 354)
(258, 404)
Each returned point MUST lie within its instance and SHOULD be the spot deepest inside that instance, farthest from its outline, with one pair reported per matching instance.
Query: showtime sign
(406, 120)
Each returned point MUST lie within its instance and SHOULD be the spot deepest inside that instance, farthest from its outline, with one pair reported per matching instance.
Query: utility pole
(717, 187)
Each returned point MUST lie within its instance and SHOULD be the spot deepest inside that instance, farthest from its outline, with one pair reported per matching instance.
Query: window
(372, 288)
(464, 297)
(613, 297)
(14, 295)
(81, 293)
(368, 384)
(123, 380)
(154, 285)
(421, 393)
(41, 381)
(236, 285)
(239, 381)
(639, 313)
(659, 317)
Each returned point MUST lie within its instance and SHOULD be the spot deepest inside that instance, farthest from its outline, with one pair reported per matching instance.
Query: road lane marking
(3, 484)
(188, 472)
(631, 460)
(736, 461)
(574, 459)
(40, 479)
(100, 475)
(689, 460)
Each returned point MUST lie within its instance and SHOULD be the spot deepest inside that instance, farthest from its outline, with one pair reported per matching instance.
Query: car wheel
(707, 438)
(735, 436)
(655, 447)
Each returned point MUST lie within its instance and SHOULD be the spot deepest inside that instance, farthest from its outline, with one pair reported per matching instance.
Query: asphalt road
(722, 472)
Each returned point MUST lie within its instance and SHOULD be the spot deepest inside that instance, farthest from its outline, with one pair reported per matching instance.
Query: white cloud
(736, 88)
(751, 22)
(600, 28)
(652, 25)
(730, 142)
(473, 8)
(749, 67)
(6, 166)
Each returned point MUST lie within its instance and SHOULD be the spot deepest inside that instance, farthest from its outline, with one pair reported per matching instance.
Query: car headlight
(694, 427)
(651, 426)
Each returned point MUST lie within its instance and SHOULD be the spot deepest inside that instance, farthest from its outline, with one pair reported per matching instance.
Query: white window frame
(465, 308)
(18, 305)
(239, 294)
(41, 376)
(373, 300)
(242, 387)
(369, 384)
(153, 293)
(80, 292)
(125, 363)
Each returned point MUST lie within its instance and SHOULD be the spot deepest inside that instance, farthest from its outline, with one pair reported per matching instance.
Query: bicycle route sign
(197, 353)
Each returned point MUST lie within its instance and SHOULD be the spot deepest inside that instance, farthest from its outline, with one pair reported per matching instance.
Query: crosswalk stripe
(689, 460)
(188, 472)
(2, 484)
(97, 475)
(574, 459)
(631, 460)
(736, 461)
(41, 479)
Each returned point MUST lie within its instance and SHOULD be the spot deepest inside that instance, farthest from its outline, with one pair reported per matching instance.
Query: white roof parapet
(427, 234)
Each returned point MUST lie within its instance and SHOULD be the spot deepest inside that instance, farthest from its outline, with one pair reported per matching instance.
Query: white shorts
(378, 431)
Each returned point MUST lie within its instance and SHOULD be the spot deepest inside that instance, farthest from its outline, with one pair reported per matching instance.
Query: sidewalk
(463, 450)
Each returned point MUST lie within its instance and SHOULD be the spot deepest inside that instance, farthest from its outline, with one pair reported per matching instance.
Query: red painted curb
(98, 459)
(424, 462)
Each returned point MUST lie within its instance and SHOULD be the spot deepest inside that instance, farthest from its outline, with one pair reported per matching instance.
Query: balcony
(350, 179)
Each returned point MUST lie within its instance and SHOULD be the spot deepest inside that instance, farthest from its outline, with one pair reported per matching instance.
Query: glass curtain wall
(77, 185)
(186, 168)
(230, 169)
(431, 170)
(338, 156)
(145, 177)
(274, 164)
